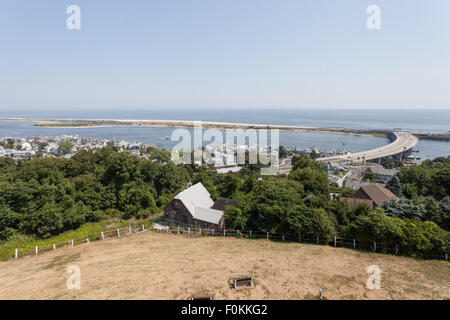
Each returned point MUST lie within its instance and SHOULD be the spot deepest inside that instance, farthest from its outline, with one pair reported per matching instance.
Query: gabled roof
(198, 201)
(378, 193)
(197, 195)
(207, 215)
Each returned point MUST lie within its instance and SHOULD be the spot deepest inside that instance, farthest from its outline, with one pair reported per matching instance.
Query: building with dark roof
(373, 195)
(222, 203)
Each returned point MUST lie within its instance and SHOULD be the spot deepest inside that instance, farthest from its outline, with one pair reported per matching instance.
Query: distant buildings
(384, 174)
(26, 148)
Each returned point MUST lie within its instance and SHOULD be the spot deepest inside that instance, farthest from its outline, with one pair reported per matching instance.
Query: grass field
(92, 230)
(164, 266)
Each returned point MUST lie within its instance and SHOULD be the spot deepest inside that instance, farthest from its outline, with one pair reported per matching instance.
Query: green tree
(395, 185)
(403, 208)
(314, 181)
(229, 185)
(369, 175)
(235, 218)
(65, 147)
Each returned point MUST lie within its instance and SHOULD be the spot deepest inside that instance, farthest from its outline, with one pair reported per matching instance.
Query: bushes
(46, 196)
(415, 238)
(43, 198)
(403, 208)
(431, 178)
(309, 223)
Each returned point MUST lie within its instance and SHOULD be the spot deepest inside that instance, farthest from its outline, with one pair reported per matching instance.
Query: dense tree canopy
(427, 186)
(46, 196)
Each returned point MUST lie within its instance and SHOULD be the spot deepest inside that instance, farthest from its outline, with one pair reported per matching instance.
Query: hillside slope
(162, 266)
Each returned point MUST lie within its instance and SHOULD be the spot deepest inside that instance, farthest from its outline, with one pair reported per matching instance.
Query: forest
(44, 197)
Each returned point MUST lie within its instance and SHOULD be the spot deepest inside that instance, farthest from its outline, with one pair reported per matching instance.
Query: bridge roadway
(403, 143)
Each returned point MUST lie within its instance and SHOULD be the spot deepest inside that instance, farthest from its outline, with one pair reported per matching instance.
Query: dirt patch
(164, 266)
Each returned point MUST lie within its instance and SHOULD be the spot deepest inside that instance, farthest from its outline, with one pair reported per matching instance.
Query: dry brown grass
(162, 266)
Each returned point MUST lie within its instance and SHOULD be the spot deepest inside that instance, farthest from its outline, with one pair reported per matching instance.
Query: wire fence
(376, 246)
(194, 231)
(103, 235)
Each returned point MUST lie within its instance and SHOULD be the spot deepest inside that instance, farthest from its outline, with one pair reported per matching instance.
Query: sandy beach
(95, 123)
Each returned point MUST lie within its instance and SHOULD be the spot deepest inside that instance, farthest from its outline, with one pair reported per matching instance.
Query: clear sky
(224, 54)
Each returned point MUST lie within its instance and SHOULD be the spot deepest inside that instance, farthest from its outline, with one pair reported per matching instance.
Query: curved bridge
(400, 147)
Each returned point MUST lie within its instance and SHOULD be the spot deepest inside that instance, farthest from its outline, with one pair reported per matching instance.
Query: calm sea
(415, 120)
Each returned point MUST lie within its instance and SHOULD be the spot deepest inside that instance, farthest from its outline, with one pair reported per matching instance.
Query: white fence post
(87, 240)
(15, 254)
(103, 236)
(317, 240)
(224, 233)
(118, 232)
(143, 228)
(37, 250)
(212, 232)
(189, 231)
(446, 257)
(354, 244)
(250, 233)
(129, 228)
(335, 241)
(267, 235)
(54, 246)
(178, 230)
(283, 237)
(72, 242)
(200, 231)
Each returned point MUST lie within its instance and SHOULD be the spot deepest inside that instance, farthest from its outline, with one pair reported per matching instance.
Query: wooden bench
(243, 282)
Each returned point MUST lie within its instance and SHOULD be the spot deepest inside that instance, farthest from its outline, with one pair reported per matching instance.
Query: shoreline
(102, 123)
(105, 123)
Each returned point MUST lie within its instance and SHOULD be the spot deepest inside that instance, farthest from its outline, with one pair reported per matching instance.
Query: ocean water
(415, 120)
(156, 135)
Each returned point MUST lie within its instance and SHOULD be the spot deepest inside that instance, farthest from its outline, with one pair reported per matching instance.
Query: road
(403, 142)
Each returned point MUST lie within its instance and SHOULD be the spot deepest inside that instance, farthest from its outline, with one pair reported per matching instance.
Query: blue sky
(224, 54)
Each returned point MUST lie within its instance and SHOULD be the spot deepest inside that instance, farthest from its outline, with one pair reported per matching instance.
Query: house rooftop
(377, 193)
(198, 201)
(221, 203)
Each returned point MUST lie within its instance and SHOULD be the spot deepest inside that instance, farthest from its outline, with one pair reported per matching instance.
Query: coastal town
(63, 146)
(224, 156)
